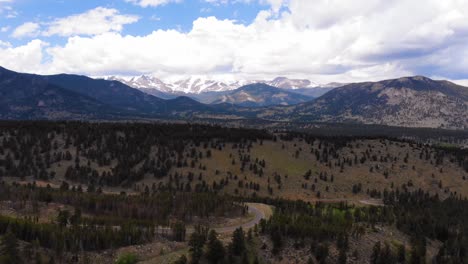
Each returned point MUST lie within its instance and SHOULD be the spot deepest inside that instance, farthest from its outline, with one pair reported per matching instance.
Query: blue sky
(321, 40)
(166, 16)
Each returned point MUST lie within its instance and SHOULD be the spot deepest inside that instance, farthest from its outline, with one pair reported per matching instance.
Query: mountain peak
(5, 70)
(286, 83)
(260, 95)
(421, 78)
(280, 79)
(414, 78)
(422, 83)
(202, 84)
(415, 101)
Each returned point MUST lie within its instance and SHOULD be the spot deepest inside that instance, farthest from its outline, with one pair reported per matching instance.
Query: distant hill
(410, 101)
(64, 96)
(26, 96)
(111, 93)
(162, 95)
(314, 92)
(260, 95)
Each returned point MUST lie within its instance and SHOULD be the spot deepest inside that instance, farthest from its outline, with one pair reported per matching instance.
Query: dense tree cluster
(32, 148)
(111, 221)
(90, 157)
(420, 215)
(205, 247)
(157, 208)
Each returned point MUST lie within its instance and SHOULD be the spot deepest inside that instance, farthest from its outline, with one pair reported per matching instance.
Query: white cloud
(324, 40)
(93, 22)
(3, 4)
(4, 44)
(275, 4)
(205, 10)
(463, 82)
(153, 3)
(155, 18)
(224, 2)
(6, 10)
(28, 29)
(4, 29)
(25, 58)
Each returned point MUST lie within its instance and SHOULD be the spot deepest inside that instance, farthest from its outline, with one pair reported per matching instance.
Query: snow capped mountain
(198, 85)
(260, 95)
(143, 82)
(286, 83)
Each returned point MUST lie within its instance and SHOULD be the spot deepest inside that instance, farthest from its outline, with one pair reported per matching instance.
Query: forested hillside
(71, 191)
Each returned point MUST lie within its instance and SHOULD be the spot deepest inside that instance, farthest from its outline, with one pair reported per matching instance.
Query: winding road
(253, 209)
(258, 211)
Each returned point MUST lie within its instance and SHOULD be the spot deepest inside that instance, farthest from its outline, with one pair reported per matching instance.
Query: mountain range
(64, 96)
(410, 101)
(260, 95)
(209, 91)
(198, 85)
(25, 96)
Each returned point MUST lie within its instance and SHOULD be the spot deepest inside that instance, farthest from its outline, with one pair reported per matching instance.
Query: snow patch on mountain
(200, 84)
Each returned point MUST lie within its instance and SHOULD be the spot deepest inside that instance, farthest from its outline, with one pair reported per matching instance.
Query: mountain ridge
(199, 85)
(28, 96)
(407, 101)
(415, 101)
(260, 95)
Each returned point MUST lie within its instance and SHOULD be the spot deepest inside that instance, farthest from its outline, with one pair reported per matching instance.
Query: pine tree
(196, 242)
(322, 252)
(181, 260)
(238, 242)
(375, 257)
(401, 254)
(215, 251)
(342, 258)
(245, 259)
(256, 261)
(9, 249)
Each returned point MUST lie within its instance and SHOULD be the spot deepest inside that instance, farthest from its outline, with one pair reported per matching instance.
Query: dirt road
(259, 212)
(256, 210)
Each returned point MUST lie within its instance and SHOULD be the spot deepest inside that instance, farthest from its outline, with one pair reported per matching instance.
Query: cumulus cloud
(153, 3)
(360, 40)
(93, 22)
(275, 4)
(25, 58)
(6, 10)
(28, 29)
(463, 82)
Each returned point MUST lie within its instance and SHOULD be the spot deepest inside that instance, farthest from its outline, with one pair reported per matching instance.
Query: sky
(320, 40)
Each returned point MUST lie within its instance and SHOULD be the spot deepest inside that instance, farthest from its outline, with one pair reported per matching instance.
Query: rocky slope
(260, 95)
(26, 96)
(410, 101)
(64, 96)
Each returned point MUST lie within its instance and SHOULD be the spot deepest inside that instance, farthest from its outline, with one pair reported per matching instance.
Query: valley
(163, 185)
(233, 132)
